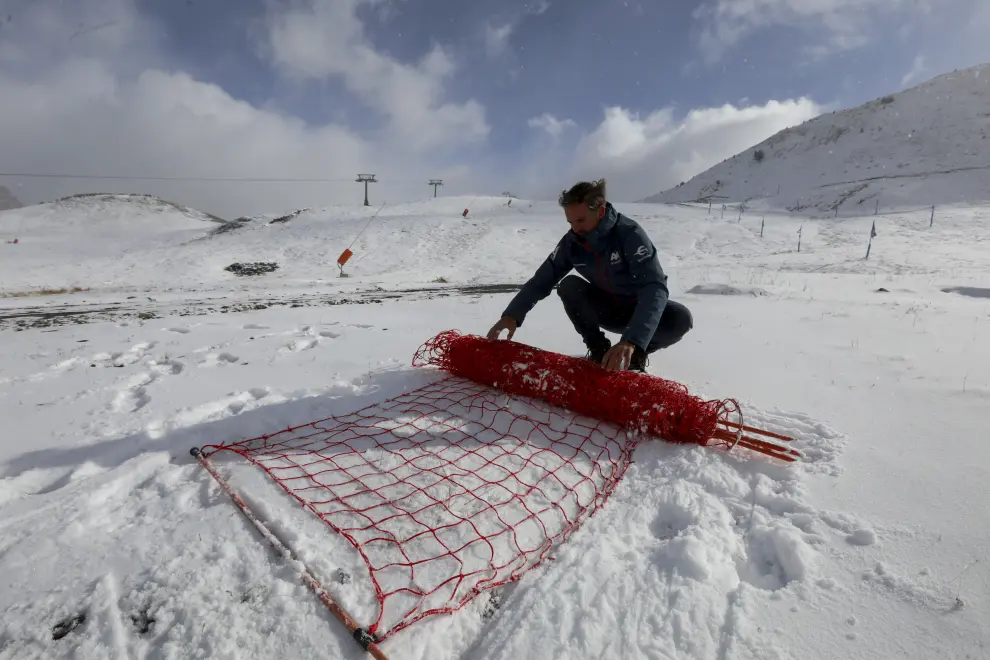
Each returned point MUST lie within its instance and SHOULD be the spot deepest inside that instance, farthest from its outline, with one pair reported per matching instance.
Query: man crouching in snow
(624, 289)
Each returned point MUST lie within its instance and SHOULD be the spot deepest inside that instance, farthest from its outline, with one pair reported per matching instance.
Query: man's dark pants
(591, 309)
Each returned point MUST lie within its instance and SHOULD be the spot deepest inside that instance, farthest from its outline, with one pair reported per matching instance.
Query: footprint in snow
(673, 518)
(309, 337)
(212, 410)
(55, 370)
(311, 331)
(134, 395)
(125, 358)
(219, 360)
(65, 365)
(691, 526)
(181, 331)
(166, 367)
(301, 345)
(42, 481)
(252, 395)
(308, 343)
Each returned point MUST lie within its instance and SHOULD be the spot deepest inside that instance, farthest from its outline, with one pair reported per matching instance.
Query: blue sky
(517, 95)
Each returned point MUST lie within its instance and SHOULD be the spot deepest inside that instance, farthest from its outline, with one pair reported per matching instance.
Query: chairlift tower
(366, 179)
(435, 183)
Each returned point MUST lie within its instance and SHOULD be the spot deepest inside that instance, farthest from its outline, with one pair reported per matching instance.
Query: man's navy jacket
(619, 258)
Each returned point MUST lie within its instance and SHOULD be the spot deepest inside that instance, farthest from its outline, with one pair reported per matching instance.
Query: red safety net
(458, 487)
(656, 406)
(446, 491)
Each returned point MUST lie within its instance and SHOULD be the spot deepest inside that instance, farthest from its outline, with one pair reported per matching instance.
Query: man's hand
(505, 323)
(619, 356)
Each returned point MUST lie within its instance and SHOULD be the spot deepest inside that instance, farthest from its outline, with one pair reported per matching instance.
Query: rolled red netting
(631, 400)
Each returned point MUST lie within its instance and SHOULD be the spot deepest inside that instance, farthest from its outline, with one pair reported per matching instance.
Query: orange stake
(767, 452)
(759, 431)
(762, 446)
(770, 449)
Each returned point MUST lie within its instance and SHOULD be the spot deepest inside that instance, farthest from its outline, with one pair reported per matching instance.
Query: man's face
(582, 219)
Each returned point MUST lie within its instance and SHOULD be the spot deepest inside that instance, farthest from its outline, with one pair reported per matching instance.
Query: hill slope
(94, 237)
(925, 145)
(112, 245)
(140, 244)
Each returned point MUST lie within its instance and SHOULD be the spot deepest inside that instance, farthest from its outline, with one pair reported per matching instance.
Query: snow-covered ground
(111, 534)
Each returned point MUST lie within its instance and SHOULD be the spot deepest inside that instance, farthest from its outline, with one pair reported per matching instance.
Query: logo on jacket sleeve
(615, 257)
(642, 253)
(553, 255)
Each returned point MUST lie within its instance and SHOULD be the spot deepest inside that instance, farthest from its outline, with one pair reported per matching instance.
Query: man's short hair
(589, 193)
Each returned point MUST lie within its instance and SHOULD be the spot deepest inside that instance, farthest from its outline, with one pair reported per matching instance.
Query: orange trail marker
(342, 259)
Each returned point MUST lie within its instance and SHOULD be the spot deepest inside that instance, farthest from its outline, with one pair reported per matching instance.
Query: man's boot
(639, 361)
(597, 353)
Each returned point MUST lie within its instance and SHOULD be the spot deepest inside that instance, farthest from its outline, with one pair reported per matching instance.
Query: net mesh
(446, 491)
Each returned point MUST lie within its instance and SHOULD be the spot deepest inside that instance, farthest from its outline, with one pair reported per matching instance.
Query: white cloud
(40, 33)
(498, 33)
(970, 42)
(106, 107)
(497, 38)
(547, 122)
(842, 24)
(83, 119)
(918, 68)
(644, 155)
(320, 40)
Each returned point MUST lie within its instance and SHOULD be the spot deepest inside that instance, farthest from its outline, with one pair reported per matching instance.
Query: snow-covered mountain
(7, 200)
(926, 145)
